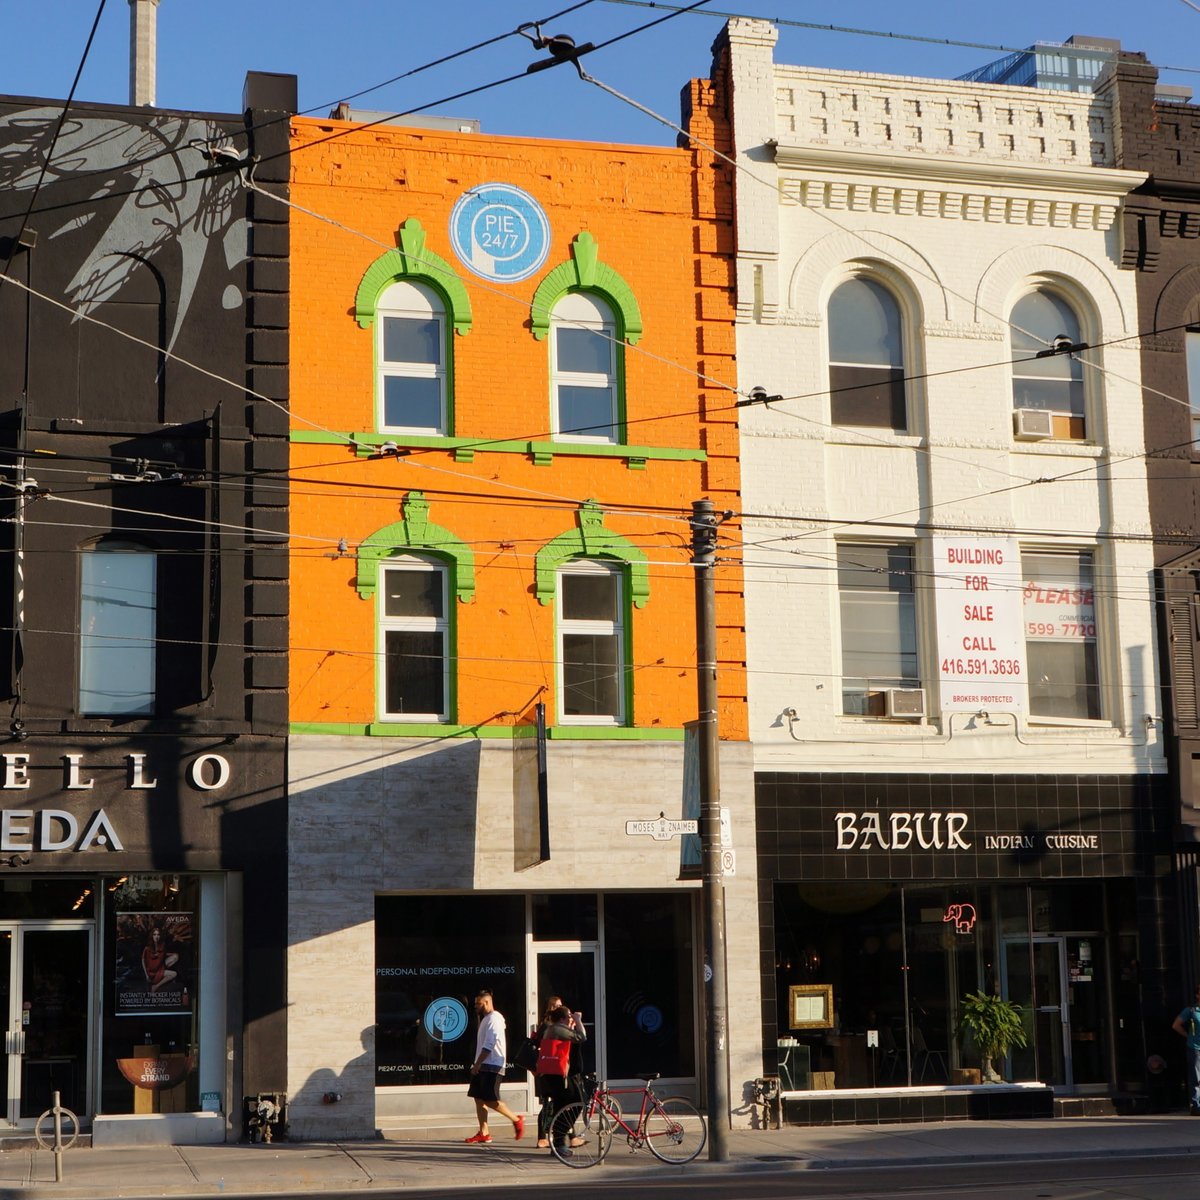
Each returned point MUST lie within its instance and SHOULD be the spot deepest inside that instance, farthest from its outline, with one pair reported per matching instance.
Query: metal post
(704, 545)
(58, 1151)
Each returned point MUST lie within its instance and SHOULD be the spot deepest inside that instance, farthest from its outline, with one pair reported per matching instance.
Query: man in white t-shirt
(488, 1067)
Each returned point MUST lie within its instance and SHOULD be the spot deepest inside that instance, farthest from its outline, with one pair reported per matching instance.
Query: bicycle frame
(601, 1099)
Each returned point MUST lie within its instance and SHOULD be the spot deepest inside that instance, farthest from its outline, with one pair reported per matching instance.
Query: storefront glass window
(894, 963)
(152, 977)
(870, 979)
(559, 917)
(650, 1006)
(432, 954)
(21, 896)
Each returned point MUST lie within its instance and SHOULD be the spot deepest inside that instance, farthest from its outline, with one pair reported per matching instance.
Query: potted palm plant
(995, 1026)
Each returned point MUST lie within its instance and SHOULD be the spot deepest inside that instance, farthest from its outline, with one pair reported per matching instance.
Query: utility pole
(716, 1042)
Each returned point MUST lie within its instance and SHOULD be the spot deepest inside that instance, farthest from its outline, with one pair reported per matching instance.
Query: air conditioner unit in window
(905, 702)
(1033, 423)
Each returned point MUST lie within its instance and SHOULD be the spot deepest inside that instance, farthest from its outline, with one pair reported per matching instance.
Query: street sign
(661, 830)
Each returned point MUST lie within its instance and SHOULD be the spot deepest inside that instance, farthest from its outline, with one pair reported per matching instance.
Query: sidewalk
(398, 1161)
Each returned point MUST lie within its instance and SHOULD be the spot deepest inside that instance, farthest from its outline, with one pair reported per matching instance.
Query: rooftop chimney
(143, 38)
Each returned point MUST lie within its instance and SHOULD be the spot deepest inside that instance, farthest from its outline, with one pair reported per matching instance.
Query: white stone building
(954, 697)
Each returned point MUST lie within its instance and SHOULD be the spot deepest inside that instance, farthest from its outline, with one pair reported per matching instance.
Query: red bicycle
(582, 1133)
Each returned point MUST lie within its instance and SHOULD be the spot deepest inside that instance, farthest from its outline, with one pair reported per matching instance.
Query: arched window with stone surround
(866, 356)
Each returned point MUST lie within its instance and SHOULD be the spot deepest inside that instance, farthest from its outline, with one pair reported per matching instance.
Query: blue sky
(206, 46)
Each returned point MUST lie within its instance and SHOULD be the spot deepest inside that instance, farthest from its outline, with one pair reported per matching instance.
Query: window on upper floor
(1192, 350)
(118, 618)
(1050, 390)
(877, 601)
(411, 360)
(584, 376)
(591, 643)
(866, 356)
(1060, 635)
(414, 637)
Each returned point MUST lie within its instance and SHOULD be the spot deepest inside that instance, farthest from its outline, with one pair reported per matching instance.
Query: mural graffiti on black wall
(137, 191)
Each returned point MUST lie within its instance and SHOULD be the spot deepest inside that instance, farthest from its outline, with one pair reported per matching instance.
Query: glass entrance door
(573, 975)
(1036, 978)
(45, 992)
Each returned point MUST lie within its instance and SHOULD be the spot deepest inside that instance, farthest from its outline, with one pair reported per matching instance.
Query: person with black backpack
(1187, 1025)
(560, 1033)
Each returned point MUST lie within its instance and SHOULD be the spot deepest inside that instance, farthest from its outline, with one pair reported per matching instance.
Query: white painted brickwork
(941, 117)
(960, 198)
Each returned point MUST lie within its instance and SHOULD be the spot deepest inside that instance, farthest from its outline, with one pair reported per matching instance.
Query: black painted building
(143, 603)
(1160, 242)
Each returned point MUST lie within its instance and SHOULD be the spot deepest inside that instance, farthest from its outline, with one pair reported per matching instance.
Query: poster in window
(155, 963)
(980, 640)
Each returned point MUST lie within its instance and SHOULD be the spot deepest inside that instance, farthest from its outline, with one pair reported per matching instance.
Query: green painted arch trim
(590, 540)
(414, 531)
(584, 272)
(416, 263)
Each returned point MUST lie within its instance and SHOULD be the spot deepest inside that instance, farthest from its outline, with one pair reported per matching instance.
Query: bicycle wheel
(675, 1131)
(589, 1135)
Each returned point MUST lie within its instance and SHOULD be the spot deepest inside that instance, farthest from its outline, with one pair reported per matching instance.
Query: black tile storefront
(887, 898)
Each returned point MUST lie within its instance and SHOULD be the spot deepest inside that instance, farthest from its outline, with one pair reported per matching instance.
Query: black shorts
(485, 1086)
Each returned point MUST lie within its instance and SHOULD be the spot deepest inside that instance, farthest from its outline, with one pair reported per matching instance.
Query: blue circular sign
(500, 232)
(649, 1018)
(445, 1019)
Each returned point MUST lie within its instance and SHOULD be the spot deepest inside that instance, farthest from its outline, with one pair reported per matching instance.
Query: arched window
(118, 618)
(591, 643)
(1052, 385)
(866, 356)
(410, 360)
(414, 632)
(583, 370)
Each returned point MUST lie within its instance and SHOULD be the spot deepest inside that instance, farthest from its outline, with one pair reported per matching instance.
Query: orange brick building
(512, 373)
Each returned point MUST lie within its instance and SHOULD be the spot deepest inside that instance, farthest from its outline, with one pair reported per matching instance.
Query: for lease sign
(978, 588)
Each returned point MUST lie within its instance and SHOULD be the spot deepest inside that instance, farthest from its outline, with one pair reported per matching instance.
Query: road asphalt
(439, 1158)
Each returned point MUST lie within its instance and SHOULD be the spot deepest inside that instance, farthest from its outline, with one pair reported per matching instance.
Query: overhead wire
(147, 159)
(821, 27)
(37, 187)
(861, 235)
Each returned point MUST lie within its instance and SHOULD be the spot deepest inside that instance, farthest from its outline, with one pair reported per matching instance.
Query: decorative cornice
(415, 531)
(985, 190)
(584, 271)
(415, 262)
(590, 540)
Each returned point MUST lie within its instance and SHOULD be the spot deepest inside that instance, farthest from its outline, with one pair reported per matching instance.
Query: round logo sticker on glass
(445, 1019)
(500, 232)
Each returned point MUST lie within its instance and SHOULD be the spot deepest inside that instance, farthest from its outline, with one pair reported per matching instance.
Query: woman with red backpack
(561, 1032)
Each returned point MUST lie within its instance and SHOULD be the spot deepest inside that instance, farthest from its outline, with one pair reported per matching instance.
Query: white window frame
(909, 351)
(1087, 376)
(415, 301)
(1101, 615)
(412, 624)
(582, 310)
(919, 618)
(617, 628)
(145, 646)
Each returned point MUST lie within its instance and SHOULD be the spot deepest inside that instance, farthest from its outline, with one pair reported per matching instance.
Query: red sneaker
(479, 1139)
(519, 1128)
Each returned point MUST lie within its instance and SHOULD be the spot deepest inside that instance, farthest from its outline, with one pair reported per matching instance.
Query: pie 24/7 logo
(445, 1019)
(500, 232)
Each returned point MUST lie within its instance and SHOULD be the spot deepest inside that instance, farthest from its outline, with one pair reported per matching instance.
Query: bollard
(57, 1112)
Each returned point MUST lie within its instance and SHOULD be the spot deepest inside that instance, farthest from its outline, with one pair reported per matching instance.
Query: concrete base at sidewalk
(159, 1129)
(884, 1106)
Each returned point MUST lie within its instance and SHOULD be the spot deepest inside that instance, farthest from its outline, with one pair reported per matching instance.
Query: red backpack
(554, 1057)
